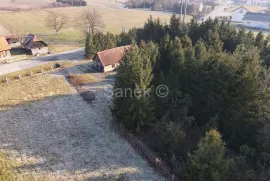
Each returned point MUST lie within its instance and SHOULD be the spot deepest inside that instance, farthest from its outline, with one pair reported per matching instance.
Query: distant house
(239, 13)
(109, 60)
(13, 41)
(257, 20)
(36, 46)
(4, 50)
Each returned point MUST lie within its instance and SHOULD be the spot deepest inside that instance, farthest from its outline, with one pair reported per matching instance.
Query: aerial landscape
(134, 90)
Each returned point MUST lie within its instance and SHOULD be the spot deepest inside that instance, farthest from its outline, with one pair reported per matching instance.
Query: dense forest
(214, 122)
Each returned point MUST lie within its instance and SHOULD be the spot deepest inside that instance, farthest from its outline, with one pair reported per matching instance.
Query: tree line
(214, 122)
(73, 2)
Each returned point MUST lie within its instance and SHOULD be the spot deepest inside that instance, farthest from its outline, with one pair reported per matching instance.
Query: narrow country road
(73, 55)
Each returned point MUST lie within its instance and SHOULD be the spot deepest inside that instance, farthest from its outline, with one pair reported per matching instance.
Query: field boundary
(153, 159)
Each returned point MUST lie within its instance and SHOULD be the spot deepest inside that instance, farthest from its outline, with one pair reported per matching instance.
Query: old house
(36, 46)
(257, 20)
(239, 13)
(4, 50)
(109, 60)
(14, 41)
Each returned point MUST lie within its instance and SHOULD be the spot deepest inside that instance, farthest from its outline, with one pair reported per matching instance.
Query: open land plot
(114, 16)
(62, 137)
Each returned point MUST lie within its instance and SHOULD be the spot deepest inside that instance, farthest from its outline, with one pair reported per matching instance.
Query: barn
(109, 60)
(4, 50)
(257, 20)
(35, 45)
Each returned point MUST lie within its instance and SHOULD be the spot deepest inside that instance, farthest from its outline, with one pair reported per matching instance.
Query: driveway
(73, 55)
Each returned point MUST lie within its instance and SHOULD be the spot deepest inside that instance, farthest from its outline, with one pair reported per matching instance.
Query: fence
(151, 157)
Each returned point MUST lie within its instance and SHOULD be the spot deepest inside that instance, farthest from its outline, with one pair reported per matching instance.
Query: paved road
(73, 55)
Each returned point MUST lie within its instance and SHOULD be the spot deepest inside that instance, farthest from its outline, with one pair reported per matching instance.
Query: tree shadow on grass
(65, 135)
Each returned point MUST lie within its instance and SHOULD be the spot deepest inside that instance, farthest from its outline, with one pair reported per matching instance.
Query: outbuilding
(35, 45)
(109, 60)
(4, 50)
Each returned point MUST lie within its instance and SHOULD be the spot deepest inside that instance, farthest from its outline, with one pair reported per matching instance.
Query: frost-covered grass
(65, 138)
(32, 89)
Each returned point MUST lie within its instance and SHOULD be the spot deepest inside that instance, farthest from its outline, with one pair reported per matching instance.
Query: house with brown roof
(4, 50)
(109, 60)
(35, 45)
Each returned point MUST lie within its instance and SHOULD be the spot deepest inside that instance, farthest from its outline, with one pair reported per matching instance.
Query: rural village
(145, 90)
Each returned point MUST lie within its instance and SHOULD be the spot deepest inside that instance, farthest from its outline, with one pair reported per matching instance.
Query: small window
(248, 22)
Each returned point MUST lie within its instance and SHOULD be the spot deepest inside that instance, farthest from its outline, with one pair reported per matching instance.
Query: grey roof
(257, 17)
(31, 41)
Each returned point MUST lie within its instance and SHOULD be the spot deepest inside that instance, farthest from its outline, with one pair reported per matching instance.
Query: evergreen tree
(174, 26)
(201, 53)
(208, 163)
(135, 108)
(87, 45)
(259, 41)
(90, 49)
(213, 41)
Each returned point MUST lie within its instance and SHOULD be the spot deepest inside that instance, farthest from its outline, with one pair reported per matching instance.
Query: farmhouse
(36, 46)
(109, 60)
(257, 20)
(239, 13)
(4, 50)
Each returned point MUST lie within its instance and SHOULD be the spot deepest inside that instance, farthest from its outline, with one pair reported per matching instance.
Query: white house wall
(256, 24)
(238, 15)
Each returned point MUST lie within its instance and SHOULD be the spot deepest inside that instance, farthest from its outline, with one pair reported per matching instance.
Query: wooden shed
(35, 45)
(109, 60)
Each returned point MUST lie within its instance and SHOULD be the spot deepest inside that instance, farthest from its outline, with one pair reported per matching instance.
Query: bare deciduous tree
(90, 22)
(56, 20)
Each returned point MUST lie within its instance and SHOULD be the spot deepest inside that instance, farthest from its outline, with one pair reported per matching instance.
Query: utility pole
(181, 7)
(185, 13)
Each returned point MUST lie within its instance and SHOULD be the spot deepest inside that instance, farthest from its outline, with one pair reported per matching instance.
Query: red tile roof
(111, 56)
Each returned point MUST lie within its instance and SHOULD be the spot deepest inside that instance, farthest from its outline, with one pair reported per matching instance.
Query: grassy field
(113, 15)
(31, 89)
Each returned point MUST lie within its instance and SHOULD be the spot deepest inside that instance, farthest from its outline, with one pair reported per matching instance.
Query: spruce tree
(208, 163)
(87, 45)
(201, 53)
(133, 99)
(90, 49)
(259, 41)
(213, 41)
